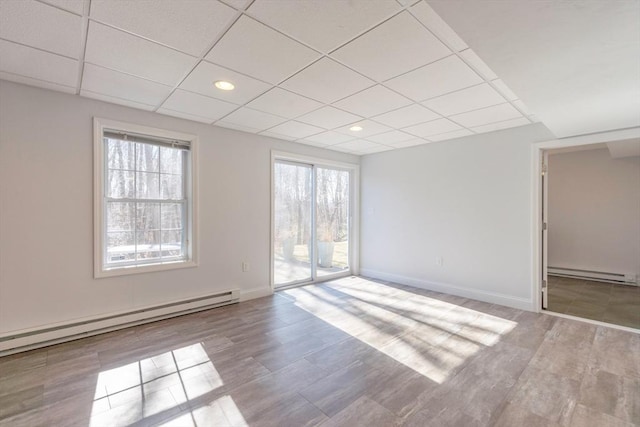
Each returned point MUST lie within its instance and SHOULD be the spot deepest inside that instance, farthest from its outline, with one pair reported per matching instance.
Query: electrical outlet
(245, 266)
(439, 261)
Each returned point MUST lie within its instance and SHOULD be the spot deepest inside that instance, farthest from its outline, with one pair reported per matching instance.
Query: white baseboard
(263, 291)
(490, 297)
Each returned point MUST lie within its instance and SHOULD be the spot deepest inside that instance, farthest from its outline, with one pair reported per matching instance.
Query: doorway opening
(313, 220)
(587, 228)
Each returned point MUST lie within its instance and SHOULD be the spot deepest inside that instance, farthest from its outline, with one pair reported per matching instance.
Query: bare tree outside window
(145, 202)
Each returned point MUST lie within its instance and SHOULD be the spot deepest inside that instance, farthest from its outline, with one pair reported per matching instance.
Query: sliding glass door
(311, 222)
(293, 204)
(332, 221)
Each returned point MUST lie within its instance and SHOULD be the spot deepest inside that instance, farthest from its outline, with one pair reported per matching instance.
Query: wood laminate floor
(606, 302)
(352, 352)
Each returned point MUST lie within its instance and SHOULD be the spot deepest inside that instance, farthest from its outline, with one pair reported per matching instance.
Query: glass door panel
(332, 221)
(292, 223)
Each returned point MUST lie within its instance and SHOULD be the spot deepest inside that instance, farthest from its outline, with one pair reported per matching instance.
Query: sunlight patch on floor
(151, 386)
(441, 336)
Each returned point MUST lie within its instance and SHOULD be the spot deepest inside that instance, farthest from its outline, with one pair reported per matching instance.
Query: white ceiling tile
(375, 100)
(432, 128)
(130, 54)
(238, 4)
(234, 126)
(497, 113)
(501, 125)
(198, 105)
(187, 25)
(252, 119)
(341, 149)
(433, 22)
(329, 117)
(504, 89)
(407, 116)
(368, 128)
(324, 24)
(407, 2)
(312, 143)
(203, 77)
(379, 148)
(406, 44)
(390, 138)
(451, 135)
(36, 64)
(256, 50)
(468, 99)
(116, 100)
(410, 143)
(75, 6)
(477, 63)
(277, 135)
(520, 105)
(356, 145)
(328, 138)
(283, 103)
(435, 79)
(108, 82)
(39, 25)
(35, 82)
(327, 81)
(181, 115)
(293, 130)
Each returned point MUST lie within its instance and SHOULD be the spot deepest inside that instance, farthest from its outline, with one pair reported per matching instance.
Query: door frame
(538, 151)
(354, 214)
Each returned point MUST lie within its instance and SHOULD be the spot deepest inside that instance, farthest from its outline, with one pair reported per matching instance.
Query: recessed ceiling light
(355, 128)
(223, 85)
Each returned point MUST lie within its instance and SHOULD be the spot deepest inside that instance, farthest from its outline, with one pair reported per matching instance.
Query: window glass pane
(120, 154)
(120, 184)
(293, 214)
(332, 219)
(148, 185)
(121, 246)
(148, 217)
(171, 160)
(120, 216)
(171, 216)
(147, 157)
(148, 230)
(172, 243)
(171, 186)
(148, 245)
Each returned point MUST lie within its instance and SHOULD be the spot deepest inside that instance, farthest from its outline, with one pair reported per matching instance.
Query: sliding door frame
(354, 215)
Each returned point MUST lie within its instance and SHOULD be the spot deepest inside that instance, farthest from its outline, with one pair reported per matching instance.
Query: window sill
(148, 268)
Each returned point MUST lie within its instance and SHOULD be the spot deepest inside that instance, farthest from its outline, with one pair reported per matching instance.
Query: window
(144, 199)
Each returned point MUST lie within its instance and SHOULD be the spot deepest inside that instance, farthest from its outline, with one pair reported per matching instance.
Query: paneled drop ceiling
(305, 70)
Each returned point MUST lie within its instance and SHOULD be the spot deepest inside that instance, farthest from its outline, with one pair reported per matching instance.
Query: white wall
(594, 211)
(467, 201)
(46, 230)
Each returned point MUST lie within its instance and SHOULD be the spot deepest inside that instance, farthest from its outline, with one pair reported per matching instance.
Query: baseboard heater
(599, 276)
(18, 341)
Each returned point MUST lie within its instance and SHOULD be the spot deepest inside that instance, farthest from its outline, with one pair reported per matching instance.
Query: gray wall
(46, 211)
(467, 201)
(594, 212)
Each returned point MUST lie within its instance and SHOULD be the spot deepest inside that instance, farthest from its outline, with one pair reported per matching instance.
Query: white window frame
(191, 260)
(354, 217)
